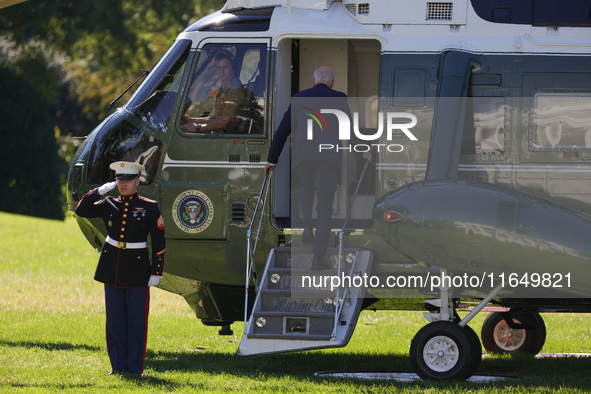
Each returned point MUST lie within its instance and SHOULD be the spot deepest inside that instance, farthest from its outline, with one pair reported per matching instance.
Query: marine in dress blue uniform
(125, 266)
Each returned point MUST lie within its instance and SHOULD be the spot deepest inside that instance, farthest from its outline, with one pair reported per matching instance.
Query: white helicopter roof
(306, 4)
(374, 11)
(415, 26)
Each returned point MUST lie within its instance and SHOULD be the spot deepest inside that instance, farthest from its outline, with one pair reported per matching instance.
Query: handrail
(355, 195)
(339, 306)
(250, 249)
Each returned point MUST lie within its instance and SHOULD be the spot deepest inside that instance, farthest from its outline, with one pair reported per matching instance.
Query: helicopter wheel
(499, 338)
(477, 347)
(443, 350)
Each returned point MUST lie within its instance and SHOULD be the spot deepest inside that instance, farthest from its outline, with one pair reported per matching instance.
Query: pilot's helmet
(126, 169)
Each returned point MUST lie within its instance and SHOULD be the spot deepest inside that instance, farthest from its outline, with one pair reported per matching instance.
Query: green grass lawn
(52, 337)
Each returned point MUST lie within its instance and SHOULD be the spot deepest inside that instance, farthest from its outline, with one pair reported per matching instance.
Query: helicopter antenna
(144, 73)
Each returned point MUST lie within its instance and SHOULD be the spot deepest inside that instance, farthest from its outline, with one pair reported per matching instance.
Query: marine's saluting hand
(107, 187)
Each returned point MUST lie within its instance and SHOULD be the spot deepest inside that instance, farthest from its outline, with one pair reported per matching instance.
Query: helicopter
(478, 194)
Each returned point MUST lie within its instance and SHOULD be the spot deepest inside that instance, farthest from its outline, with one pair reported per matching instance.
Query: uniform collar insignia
(129, 198)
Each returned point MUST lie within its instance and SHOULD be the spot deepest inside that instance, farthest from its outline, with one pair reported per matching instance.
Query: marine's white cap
(126, 169)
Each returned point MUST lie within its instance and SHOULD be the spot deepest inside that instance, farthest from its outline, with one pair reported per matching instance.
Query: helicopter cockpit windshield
(119, 138)
(154, 101)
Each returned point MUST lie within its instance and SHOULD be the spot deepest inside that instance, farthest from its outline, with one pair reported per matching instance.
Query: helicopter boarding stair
(297, 308)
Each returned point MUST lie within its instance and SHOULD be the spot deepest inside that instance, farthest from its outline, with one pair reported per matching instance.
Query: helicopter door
(214, 162)
(356, 64)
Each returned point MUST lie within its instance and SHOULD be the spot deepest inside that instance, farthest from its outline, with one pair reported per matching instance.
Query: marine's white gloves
(154, 280)
(107, 187)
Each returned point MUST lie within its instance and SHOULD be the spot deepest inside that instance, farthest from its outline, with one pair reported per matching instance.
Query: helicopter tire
(499, 338)
(443, 350)
(477, 347)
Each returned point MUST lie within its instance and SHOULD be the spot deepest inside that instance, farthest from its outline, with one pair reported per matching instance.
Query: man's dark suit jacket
(304, 149)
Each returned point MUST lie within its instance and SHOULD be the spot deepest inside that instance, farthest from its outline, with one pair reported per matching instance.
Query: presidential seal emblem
(192, 211)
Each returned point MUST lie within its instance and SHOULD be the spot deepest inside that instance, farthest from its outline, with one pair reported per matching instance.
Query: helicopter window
(154, 101)
(487, 134)
(227, 92)
(120, 140)
(562, 120)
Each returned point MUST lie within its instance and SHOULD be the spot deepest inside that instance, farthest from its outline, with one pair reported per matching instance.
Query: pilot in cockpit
(228, 94)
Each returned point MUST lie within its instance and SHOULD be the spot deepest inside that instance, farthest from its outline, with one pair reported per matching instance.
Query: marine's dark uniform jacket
(127, 219)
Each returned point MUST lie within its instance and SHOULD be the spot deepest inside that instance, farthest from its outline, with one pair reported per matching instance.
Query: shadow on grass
(544, 374)
(556, 373)
(50, 346)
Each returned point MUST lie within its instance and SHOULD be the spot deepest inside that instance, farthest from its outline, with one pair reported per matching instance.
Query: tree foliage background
(61, 64)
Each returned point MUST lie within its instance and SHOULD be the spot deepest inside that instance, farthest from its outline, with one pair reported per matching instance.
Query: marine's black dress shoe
(115, 372)
(308, 236)
(136, 373)
(318, 263)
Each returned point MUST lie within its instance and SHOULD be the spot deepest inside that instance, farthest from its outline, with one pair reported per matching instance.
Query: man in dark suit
(124, 265)
(318, 169)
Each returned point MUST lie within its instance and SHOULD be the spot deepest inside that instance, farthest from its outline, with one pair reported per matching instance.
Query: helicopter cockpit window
(154, 101)
(227, 92)
(119, 140)
(562, 121)
(486, 135)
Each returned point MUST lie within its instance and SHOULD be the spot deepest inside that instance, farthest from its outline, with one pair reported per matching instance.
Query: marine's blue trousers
(127, 327)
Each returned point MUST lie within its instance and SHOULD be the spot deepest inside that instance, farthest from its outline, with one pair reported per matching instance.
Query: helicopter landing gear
(447, 349)
(513, 332)
(444, 350)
